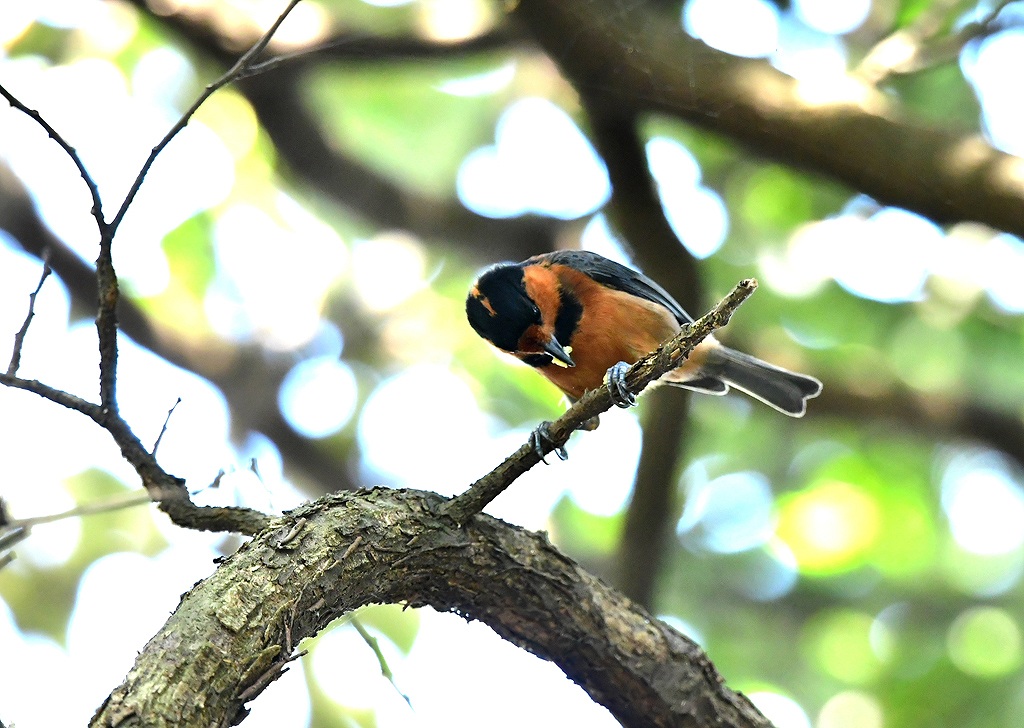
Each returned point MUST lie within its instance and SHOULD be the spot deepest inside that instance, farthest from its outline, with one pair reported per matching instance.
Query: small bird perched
(575, 316)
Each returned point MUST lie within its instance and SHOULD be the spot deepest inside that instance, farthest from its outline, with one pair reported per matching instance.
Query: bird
(581, 319)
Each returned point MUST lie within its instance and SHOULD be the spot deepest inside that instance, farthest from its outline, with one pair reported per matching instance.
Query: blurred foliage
(859, 586)
(396, 119)
(42, 597)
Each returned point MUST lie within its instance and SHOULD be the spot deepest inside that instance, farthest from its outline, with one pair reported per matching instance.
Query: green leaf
(189, 250)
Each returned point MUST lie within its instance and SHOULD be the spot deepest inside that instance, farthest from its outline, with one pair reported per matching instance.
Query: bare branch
(97, 205)
(19, 338)
(168, 490)
(11, 537)
(668, 356)
(232, 74)
(106, 319)
(58, 396)
(10, 534)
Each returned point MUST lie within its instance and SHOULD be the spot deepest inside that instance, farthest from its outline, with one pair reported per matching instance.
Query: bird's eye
(536, 313)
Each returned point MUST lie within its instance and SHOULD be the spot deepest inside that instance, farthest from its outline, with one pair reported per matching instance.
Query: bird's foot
(616, 381)
(541, 437)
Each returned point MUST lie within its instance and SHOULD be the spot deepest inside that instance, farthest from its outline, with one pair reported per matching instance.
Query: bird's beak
(558, 352)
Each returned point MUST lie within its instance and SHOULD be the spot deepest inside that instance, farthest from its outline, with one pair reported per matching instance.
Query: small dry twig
(19, 338)
(164, 428)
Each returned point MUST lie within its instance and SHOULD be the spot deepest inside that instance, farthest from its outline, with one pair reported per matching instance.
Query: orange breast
(614, 327)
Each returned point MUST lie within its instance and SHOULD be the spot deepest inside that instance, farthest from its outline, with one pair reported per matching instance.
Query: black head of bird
(500, 309)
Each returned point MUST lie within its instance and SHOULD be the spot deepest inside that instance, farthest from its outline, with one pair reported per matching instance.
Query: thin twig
(130, 500)
(13, 533)
(164, 428)
(272, 673)
(10, 535)
(19, 338)
(385, 669)
(234, 72)
(668, 356)
(97, 205)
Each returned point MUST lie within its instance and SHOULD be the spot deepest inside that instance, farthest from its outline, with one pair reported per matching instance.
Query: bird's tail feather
(780, 388)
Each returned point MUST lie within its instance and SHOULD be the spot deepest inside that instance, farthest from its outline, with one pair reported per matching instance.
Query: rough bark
(638, 60)
(234, 632)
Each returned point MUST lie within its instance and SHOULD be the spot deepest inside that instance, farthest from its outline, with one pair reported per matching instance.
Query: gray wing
(617, 276)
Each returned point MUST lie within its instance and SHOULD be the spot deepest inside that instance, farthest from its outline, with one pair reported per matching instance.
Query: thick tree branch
(635, 211)
(668, 356)
(640, 60)
(654, 505)
(235, 632)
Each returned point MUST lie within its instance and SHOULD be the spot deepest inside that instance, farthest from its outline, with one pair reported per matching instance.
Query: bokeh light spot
(318, 396)
(1003, 273)
(388, 269)
(540, 162)
(834, 18)
(781, 710)
(728, 514)
(829, 526)
(985, 641)
(414, 422)
(901, 239)
(697, 215)
(714, 22)
(984, 506)
(839, 642)
(851, 709)
(766, 573)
